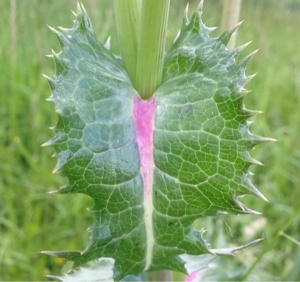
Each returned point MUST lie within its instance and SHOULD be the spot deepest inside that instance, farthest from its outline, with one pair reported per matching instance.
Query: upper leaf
(152, 167)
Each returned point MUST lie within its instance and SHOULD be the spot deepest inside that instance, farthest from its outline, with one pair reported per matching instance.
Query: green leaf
(152, 167)
(96, 147)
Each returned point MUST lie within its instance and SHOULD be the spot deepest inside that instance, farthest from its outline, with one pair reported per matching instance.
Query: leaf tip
(241, 48)
(51, 28)
(50, 253)
(50, 99)
(82, 21)
(255, 191)
(79, 9)
(245, 91)
(247, 79)
(46, 144)
(245, 209)
(51, 82)
(61, 35)
(53, 192)
(260, 195)
(231, 251)
(200, 6)
(60, 65)
(225, 37)
(186, 20)
(243, 63)
(256, 162)
(63, 159)
(107, 43)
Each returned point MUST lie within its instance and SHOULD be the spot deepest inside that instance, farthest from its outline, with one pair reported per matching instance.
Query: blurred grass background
(32, 220)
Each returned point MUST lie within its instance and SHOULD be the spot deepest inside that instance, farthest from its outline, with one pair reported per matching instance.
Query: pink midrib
(143, 111)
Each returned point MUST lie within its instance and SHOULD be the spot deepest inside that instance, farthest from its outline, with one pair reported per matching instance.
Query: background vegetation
(32, 220)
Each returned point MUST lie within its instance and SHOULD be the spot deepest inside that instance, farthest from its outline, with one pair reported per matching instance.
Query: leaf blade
(151, 176)
(96, 147)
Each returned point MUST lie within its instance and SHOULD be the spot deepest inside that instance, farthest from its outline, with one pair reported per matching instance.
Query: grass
(32, 220)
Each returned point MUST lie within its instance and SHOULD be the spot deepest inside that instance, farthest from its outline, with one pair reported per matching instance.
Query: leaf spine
(241, 48)
(82, 19)
(250, 186)
(57, 139)
(247, 157)
(59, 63)
(63, 159)
(233, 250)
(265, 139)
(251, 113)
(64, 189)
(107, 43)
(243, 63)
(245, 91)
(50, 80)
(247, 79)
(200, 6)
(186, 20)
(53, 192)
(50, 99)
(225, 37)
(242, 206)
(62, 38)
(176, 37)
(64, 30)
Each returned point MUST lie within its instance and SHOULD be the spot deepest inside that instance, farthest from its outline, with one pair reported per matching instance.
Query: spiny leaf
(95, 146)
(152, 167)
(100, 271)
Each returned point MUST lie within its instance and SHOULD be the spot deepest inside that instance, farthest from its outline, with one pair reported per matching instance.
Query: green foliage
(31, 220)
(201, 146)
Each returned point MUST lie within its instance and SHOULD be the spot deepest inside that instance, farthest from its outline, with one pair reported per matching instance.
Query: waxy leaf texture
(152, 166)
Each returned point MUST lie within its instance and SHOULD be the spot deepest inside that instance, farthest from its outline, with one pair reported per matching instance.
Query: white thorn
(107, 43)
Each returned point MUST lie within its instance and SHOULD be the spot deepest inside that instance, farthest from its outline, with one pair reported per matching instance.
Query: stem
(152, 37)
(230, 17)
(128, 22)
(290, 238)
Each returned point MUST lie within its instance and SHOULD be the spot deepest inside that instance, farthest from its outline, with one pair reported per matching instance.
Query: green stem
(152, 37)
(230, 18)
(290, 238)
(128, 21)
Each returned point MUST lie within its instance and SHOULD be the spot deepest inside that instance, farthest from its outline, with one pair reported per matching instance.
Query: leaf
(195, 265)
(100, 271)
(96, 147)
(152, 167)
(219, 270)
